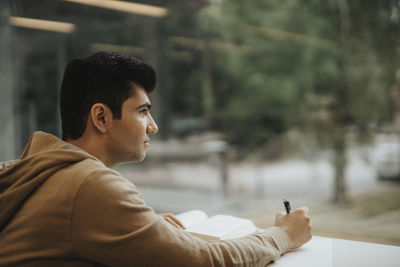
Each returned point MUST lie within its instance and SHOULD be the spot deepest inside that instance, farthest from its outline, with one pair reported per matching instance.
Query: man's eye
(144, 111)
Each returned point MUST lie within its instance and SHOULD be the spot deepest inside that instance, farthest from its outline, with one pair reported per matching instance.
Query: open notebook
(217, 227)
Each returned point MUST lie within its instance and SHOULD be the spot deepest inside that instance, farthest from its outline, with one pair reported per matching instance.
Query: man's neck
(93, 148)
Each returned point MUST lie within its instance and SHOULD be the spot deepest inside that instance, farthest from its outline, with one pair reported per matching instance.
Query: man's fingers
(169, 220)
(174, 219)
(304, 210)
(173, 223)
(169, 217)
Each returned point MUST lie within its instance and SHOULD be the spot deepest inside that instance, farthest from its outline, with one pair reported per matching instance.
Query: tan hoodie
(60, 206)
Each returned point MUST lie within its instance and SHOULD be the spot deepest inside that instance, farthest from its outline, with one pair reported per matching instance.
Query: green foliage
(268, 81)
(298, 49)
(278, 65)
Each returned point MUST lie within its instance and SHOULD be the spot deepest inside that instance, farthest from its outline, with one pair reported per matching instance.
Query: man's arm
(112, 225)
(296, 225)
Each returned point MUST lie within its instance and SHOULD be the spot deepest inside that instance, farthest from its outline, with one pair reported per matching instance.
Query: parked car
(387, 160)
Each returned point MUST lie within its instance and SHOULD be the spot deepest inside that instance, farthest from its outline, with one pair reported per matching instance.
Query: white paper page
(192, 217)
(224, 226)
(317, 252)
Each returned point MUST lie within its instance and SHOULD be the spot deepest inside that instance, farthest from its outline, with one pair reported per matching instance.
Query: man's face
(130, 135)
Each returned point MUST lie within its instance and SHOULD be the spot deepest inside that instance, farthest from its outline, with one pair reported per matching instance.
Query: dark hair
(104, 77)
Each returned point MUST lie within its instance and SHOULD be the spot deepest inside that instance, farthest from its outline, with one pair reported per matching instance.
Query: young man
(61, 204)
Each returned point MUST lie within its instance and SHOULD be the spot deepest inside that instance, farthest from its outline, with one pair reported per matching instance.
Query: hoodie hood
(43, 156)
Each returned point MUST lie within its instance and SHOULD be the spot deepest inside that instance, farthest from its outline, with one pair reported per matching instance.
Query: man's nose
(152, 128)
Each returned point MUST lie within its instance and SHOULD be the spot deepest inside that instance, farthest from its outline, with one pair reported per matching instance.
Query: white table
(322, 251)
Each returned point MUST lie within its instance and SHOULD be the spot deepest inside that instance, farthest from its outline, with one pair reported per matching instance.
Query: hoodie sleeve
(112, 225)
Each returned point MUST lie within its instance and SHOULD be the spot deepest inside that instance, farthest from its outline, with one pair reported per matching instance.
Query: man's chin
(138, 158)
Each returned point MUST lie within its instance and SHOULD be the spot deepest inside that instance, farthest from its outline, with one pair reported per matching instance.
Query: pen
(287, 206)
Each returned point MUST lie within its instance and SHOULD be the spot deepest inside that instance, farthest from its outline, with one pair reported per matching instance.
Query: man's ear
(100, 116)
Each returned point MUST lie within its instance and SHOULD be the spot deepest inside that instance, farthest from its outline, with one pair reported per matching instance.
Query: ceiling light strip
(122, 6)
(39, 24)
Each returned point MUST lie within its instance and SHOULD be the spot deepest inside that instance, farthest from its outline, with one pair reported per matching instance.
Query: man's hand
(169, 217)
(296, 225)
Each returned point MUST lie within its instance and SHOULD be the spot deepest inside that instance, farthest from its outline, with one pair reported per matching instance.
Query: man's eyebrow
(145, 105)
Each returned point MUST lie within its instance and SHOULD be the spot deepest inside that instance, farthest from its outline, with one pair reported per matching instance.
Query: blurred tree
(368, 40)
(267, 57)
(320, 67)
